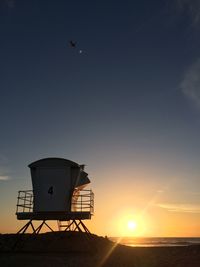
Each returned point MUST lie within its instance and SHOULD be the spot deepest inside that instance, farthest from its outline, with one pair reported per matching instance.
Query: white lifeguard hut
(58, 194)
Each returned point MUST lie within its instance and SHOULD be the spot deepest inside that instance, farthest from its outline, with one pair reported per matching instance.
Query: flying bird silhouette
(72, 44)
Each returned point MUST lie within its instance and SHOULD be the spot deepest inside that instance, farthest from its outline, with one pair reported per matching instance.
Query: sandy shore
(76, 250)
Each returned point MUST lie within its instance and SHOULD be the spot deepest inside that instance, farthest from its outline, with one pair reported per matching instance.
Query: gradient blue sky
(128, 106)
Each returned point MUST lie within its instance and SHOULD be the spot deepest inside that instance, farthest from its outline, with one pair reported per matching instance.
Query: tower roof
(51, 162)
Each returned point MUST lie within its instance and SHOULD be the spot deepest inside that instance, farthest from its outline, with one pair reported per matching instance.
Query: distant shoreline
(156, 241)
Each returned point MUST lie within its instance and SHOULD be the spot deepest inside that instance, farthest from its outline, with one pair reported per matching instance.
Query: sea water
(156, 241)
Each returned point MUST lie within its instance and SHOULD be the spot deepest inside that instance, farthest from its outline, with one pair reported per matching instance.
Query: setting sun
(128, 223)
(132, 225)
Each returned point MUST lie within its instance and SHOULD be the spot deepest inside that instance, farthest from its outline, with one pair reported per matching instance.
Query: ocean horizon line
(156, 241)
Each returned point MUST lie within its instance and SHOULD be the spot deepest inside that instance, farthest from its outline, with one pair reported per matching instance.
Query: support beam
(74, 225)
(84, 227)
(24, 228)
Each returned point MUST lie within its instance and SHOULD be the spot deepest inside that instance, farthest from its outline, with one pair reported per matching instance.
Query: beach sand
(66, 249)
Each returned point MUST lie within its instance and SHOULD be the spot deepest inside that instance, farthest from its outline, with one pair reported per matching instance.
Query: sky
(125, 102)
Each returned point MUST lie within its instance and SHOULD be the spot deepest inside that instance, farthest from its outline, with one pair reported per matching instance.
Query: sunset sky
(125, 102)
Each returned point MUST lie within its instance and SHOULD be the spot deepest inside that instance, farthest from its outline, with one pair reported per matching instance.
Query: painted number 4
(50, 191)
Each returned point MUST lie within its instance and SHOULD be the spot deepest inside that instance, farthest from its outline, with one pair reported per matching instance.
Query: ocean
(156, 241)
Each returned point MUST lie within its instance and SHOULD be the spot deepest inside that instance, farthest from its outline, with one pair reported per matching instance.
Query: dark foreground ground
(76, 250)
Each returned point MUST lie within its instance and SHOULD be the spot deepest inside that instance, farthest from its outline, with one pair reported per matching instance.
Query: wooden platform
(53, 215)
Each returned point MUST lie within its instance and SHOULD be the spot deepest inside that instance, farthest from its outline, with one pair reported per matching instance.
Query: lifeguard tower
(58, 194)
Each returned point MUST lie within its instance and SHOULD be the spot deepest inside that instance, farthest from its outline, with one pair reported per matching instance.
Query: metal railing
(82, 201)
(25, 201)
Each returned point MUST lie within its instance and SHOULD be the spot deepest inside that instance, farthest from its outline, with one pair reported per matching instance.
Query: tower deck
(82, 207)
(54, 215)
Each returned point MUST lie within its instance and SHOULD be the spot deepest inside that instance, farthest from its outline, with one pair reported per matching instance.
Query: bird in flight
(72, 44)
